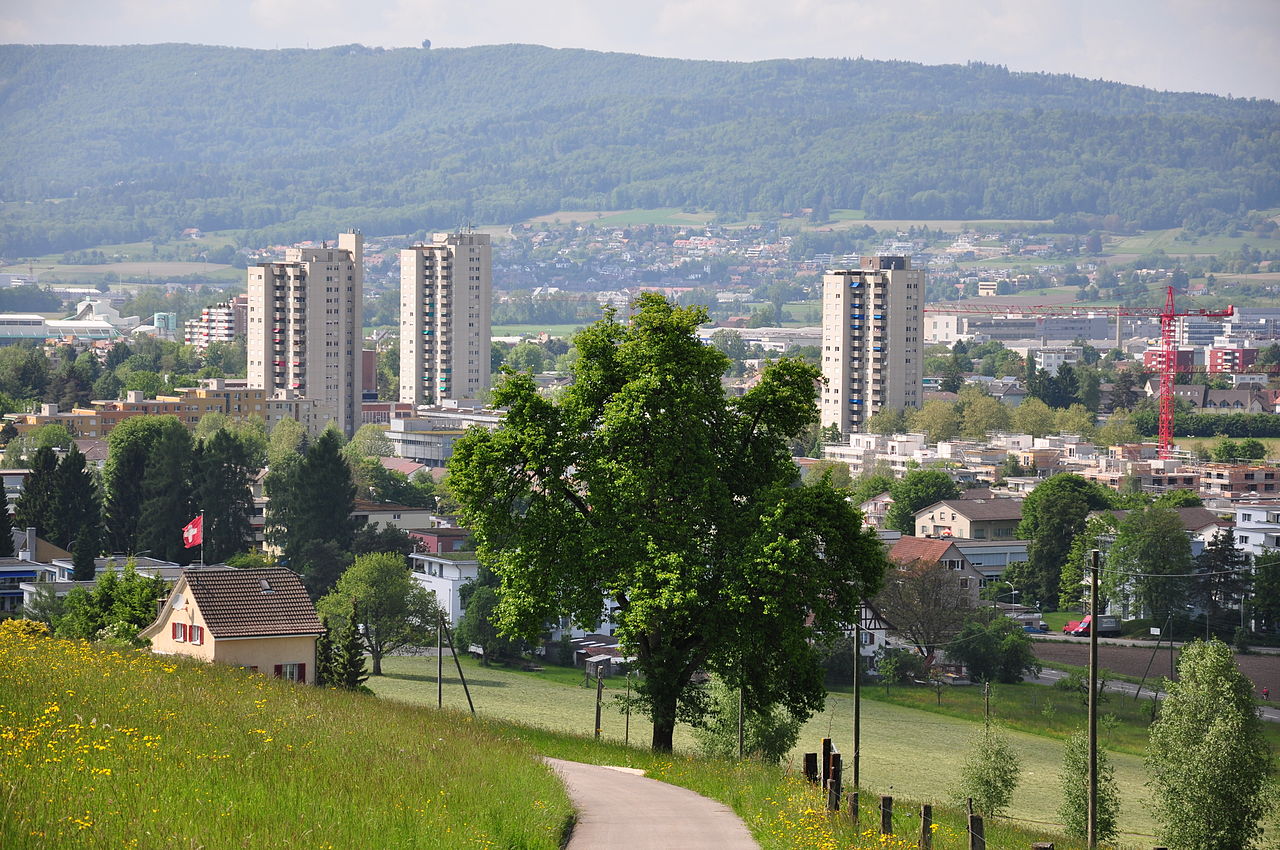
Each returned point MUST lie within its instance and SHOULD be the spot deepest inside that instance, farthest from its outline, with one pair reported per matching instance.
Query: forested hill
(120, 143)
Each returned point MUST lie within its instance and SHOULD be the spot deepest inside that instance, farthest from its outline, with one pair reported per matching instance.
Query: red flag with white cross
(193, 532)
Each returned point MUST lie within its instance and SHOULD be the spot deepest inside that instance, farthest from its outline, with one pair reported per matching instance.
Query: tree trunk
(664, 725)
(377, 663)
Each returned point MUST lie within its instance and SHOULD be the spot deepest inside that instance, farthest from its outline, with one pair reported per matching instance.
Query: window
(291, 672)
(179, 632)
(195, 634)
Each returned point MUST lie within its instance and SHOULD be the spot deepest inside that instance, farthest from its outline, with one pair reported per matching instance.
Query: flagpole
(202, 537)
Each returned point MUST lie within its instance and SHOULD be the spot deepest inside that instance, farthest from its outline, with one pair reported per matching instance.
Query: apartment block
(305, 321)
(871, 325)
(222, 322)
(445, 328)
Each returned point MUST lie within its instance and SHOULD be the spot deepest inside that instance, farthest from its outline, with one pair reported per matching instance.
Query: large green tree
(128, 450)
(1208, 757)
(918, 489)
(1148, 567)
(994, 648)
(310, 503)
(167, 504)
(1052, 515)
(391, 609)
(222, 493)
(643, 488)
(34, 508)
(77, 506)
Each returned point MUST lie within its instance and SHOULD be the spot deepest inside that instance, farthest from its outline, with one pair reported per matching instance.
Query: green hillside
(112, 144)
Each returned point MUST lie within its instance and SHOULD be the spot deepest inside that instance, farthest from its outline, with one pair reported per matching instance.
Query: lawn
(906, 751)
(565, 331)
(1193, 444)
(1167, 240)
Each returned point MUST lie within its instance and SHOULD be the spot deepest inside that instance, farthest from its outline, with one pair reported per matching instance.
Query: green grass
(565, 331)
(1168, 241)
(672, 216)
(1196, 443)
(109, 749)
(907, 751)
(1058, 619)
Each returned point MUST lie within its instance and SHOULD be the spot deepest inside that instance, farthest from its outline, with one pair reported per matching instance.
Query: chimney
(28, 550)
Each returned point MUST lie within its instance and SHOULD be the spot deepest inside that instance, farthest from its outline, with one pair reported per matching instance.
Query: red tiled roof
(268, 602)
(907, 549)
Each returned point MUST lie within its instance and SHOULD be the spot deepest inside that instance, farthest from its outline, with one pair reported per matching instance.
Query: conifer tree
(6, 532)
(76, 506)
(83, 555)
(324, 658)
(348, 666)
(166, 491)
(130, 445)
(35, 505)
(222, 492)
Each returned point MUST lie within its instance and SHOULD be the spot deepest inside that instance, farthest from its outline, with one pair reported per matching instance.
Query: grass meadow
(911, 748)
(104, 748)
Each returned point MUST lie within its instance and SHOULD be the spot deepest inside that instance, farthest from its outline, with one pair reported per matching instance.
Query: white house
(445, 573)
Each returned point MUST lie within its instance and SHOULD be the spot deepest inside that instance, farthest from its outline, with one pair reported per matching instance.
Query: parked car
(1107, 625)
(1031, 630)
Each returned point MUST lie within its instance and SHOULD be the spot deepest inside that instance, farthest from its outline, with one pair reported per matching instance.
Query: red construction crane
(1166, 359)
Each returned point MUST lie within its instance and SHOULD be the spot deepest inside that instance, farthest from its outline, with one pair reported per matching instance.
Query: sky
(1217, 46)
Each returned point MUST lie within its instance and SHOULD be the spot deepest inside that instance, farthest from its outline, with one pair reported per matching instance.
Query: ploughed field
(1262, 670)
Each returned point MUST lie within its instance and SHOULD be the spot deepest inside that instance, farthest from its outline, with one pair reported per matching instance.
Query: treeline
(542, 130)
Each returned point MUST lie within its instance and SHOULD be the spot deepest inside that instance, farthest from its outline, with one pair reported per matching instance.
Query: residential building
(1257, 527)
(222, 322)
(871, 326)
(1052, 358)
(977, 519)
(445, 573)
(908, 550)
(1230, 354)
(1236, 480)
(428, 438)
(1200, 524)
(445, 328)
(261, 619)
(388, 514)
(305, 329)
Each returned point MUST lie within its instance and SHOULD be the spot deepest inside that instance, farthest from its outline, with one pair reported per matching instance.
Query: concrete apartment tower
(445, 332)
(871, 351)
(305, 327)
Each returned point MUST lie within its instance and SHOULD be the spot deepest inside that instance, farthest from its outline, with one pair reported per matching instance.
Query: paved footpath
(620, 809)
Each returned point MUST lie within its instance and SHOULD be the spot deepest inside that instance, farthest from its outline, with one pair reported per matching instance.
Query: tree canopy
(642, 494)
(1052, 515)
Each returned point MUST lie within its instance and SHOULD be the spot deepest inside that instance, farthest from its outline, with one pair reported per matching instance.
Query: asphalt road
(620, 809)
(1048, 677)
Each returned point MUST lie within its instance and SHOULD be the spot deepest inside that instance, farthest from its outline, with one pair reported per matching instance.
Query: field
(1167, 240)
(906, 751)
(109, 749)
(1262, 670)
(103, 748)
(131, 271)
(672, 216)
(565, 331)
(1196, 443)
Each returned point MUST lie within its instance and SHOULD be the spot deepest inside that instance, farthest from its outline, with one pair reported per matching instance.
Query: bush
(989, 774)
(20, 628)
(768, 735)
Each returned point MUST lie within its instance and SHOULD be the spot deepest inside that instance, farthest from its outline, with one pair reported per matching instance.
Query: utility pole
(1093, 699)
(857, 694)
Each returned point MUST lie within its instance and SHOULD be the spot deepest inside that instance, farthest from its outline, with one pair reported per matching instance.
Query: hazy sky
(1219, 46)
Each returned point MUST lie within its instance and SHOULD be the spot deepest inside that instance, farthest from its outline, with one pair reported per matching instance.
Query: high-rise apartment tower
(305, 327)
(445, 331)
(871, 340)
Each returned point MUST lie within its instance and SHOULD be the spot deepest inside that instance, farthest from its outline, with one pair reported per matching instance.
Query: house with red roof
(261, 619)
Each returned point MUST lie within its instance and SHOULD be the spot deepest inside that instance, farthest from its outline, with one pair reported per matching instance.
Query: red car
(1080, 628)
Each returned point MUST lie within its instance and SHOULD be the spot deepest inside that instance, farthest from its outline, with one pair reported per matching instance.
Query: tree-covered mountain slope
(115, 143)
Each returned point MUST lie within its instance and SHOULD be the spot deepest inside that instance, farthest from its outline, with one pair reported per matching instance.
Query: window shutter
(279, 670)
(302, 673)
(173, 631)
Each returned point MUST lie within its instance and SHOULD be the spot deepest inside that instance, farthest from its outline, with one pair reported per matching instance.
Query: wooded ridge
(110, 144)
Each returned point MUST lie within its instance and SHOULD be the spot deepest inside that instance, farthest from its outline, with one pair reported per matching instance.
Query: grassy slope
(906, 751)
(125, 749)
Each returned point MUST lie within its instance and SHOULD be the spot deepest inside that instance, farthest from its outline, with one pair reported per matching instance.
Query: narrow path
(1049, 676)
(620, 809)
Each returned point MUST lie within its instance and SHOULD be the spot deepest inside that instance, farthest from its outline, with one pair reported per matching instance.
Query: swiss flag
(193, 532)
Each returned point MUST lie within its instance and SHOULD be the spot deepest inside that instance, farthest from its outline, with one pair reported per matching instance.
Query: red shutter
(197, 635)
(173, 631)
(302, 673)
(279, 670)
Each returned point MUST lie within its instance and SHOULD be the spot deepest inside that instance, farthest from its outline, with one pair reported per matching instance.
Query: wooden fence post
(853, 807)
(977, 836)
(833, 784)
(926, 827)
(811, 767)
(1042, 845)
(886, 816)
(825, 765)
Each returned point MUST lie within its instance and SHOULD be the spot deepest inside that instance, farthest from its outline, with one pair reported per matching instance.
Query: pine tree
(324, 658)
(224, 496)
(1222, 579)
(35, 506)
(76, 506)
(131, 443)
(348, 668)
(166, 491)
(83, 555)
(311, 504)
(6, 532)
